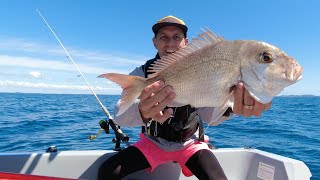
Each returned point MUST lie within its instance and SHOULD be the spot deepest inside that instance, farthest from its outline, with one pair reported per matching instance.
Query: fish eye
(266, 57)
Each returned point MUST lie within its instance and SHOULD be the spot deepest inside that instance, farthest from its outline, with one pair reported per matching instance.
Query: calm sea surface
(33, 122)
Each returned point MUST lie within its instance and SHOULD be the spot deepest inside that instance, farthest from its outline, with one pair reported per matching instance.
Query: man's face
(169, 39)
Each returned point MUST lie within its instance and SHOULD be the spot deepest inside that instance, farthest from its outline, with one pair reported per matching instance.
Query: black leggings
(203, 164)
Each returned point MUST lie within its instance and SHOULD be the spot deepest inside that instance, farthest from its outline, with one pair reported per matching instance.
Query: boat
(237, 163)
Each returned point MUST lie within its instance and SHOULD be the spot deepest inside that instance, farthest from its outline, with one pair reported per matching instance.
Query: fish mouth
(295, 72)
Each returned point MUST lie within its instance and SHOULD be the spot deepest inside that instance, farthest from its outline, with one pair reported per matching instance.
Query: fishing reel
(120, 136)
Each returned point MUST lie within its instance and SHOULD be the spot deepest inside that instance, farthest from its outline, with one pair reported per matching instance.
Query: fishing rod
(104, 125)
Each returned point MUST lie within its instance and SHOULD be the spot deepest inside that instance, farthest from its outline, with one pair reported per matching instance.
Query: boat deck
(238, 164)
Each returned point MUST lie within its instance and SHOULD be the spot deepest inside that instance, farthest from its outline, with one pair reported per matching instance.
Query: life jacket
(178, 128)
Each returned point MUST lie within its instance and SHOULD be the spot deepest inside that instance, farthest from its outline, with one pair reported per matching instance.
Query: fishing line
(116, 128)
(69, 56)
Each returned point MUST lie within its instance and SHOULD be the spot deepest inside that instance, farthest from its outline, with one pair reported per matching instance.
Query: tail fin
(132, 87)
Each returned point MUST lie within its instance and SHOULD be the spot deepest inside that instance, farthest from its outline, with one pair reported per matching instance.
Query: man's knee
(110, 169)
(205, 165)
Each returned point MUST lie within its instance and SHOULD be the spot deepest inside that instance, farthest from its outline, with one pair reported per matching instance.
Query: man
(171, 134)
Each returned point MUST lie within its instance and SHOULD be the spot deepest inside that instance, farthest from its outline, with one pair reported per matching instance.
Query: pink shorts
(157, 156)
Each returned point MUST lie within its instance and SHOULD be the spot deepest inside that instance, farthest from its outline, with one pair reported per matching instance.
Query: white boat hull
(238, 164)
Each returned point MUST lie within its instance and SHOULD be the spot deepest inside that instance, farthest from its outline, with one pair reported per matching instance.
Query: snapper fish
(203, 72)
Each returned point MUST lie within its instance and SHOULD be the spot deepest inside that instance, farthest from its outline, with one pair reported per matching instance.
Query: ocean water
(33, 122)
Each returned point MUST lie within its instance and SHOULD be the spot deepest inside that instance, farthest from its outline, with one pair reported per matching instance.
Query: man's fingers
(152, 88)
(153, 112)
(247, 99)
(238, 99)
(153, 99)
(258, 108)
(161, 95)
(156, 98)
(247, 111)
(161, 105)
(267, 106)
(245, 105)
(162, 117)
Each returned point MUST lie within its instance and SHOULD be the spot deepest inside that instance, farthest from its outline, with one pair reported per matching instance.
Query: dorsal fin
(203, 40)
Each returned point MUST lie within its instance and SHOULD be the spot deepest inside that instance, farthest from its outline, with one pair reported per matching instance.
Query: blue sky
(116, 36)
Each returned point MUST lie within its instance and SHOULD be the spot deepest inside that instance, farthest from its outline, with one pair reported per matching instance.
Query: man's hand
(153, 99)
(245, 105)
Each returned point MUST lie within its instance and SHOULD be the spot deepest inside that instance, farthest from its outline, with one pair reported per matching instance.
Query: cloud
(22, 45)
(35, 74)
(29, 62)
(22, 53)
(8, 83)
(27, 66)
